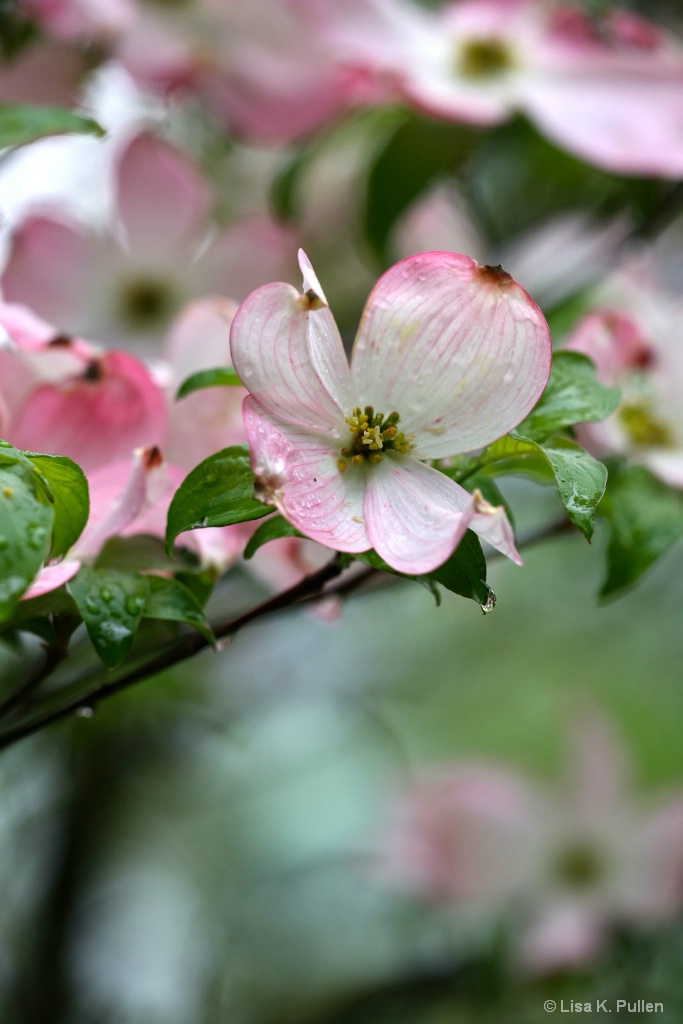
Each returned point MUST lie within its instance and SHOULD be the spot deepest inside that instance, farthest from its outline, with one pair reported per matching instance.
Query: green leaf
(25, 530)
(464, 573)
(11, 456)
(71, 497)
(221, 376)
(111, 603)
(272, 529)
(22, 123)
(372, 559)
(573, 395)
(143, 551)
(645, 518)
(170, 600)
(580, 479)
(218, 492)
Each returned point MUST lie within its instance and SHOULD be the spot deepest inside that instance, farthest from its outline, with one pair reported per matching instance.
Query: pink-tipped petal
(490, 522)
(298, 473)
(97, 417)
(51, 577)
(162, 199)
(52, 269)
(459, 351)
(119, 494)
(288, 353)
(414, 515)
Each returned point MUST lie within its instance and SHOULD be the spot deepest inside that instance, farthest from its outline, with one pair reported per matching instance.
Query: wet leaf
(218, 492)
(111, 603)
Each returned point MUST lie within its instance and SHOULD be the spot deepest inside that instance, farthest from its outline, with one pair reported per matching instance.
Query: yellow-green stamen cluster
(643, 426)
(484, 58)
(372, 434)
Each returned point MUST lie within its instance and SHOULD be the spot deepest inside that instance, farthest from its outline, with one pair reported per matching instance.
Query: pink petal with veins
(414, 515)
(297, 471)
(460, 351)
(290, 357)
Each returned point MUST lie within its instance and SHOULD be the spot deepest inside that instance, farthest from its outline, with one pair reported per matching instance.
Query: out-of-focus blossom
(133, 497)
(438, 220)
(448, 357)
(556, 258)
(44, 72)
(207, 420)
(82, 20)
(564, 865)
(68, 397)
(633, 335)
(125, 286)
(606, 89)
(259, 67)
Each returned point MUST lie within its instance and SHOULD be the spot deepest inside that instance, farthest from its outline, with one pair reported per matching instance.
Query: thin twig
(174, 653)
(13, 702)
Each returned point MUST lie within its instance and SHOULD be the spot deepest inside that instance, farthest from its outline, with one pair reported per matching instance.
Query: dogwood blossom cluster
(605, 87)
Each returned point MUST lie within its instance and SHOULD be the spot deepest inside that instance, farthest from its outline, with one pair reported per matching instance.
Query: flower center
(146, 301)
(644, 428)
(373, 434)
(484, 58)
(579, 866)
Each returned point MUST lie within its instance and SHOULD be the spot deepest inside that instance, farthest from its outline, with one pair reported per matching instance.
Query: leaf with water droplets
(218, 492)
(170, 600)
(25, 531)
(111, 603)
(580, 479)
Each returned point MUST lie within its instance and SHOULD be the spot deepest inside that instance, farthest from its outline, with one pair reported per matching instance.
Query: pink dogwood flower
(68, 397)
(562, 864)
(260, 68)
(607, 89)
(125, 286)
(633, 336)
(449, 356)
